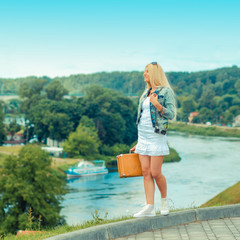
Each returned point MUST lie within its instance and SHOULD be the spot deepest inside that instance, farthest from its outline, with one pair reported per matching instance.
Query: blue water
(208, 166)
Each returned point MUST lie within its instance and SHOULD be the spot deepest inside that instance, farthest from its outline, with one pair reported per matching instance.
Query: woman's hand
(154, 99)
(133, 149)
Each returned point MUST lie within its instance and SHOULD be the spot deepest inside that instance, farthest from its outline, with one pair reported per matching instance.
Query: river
(208, 166)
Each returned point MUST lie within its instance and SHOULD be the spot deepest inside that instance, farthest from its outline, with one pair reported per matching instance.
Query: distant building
(236, 121)
(54, 151)
(54, 143)
(16, 139)
(192, 115)
(53, 148)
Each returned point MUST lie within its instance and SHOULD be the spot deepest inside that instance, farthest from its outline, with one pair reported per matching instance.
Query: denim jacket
(167, 100)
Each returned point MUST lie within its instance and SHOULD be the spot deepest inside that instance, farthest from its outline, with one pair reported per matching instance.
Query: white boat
(86, 168)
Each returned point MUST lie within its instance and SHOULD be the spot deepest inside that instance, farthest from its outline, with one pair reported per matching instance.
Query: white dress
(149, 142)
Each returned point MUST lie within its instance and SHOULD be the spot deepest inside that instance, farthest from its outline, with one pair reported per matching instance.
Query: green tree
(114, 115)
(235, 110)
(55, 90)
(28, 181)
(217, 113)
(59, 125)
(207, 99)
(31, 93)
(228, 99)
(114, 128)
(84, 141)
(237, 85)
(228, 117)
(188, 105)
(205, 115)
(50, 119)
(13, 127)
(12, 106)
(35, 87)
(2, 126)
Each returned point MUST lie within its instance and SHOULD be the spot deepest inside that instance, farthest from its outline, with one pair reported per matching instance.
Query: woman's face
(146, 75)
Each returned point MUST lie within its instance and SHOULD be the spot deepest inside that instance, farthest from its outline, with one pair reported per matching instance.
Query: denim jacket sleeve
(169, 105)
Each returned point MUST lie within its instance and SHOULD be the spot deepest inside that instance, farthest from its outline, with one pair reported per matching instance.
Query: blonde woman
(156, 106)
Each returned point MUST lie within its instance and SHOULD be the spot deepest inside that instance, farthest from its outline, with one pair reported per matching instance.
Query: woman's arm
(169, 110)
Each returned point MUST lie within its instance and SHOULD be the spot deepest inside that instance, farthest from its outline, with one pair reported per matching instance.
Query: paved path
(219, 229)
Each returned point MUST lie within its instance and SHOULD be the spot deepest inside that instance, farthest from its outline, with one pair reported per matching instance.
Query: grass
(10, 149)
(230, 195)
(204, 130)
(58, 164)
(172, 157)
(97, 220)
(2, 158)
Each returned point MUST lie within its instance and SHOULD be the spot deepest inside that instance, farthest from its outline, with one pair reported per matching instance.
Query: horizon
(61, 38)
(65, 76)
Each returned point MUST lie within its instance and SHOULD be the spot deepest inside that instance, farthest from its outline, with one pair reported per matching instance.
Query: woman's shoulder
(165, 90)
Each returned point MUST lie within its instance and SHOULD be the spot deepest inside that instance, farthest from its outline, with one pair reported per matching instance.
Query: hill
(230, 195)
(215, 94)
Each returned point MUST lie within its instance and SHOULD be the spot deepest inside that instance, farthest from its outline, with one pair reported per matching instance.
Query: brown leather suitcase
(129, 165)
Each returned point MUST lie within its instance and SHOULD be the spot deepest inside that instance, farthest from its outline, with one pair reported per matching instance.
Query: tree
(28, 89)
(205, 115)
(228, 99)
(59, 126)
(207, 99)
(12, 106)
(228, 117)
(237, 85)
(84, 141)
(114, 115)
(55, 90)
(2, 126)
(235, 110)
(31, 93)
(217, 113)
(188, 105)
(50, 120)
(114, 129)
(27, 181)
(13, 128)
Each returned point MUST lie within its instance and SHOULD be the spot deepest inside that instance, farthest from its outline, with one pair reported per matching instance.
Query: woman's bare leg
(156, 166)
(149, 184)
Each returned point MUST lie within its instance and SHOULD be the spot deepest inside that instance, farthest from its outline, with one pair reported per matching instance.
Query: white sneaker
(164, 206)
(147, 211)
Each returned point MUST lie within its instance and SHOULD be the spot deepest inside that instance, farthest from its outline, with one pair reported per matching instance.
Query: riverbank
(204, 130)
(204, 167)
(60, 165)
(199, 214)
(230, 195)
(96, 221)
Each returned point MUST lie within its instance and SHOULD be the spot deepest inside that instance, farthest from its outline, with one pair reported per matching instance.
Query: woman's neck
(153, 89)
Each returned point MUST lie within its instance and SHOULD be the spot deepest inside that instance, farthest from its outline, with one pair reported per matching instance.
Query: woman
(156, 106)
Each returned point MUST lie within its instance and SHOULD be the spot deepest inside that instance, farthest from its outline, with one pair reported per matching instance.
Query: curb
(139, 225)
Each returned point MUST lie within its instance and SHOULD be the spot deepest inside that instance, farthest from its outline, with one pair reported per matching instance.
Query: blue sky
(64, 37)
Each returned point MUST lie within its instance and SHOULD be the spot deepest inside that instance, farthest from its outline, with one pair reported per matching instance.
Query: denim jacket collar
(158, 88)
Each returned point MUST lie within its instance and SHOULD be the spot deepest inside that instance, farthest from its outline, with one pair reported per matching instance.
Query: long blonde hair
(157, 79)
(157, 76)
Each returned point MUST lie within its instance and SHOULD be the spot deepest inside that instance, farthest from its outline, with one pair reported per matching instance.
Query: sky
(63, 37)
